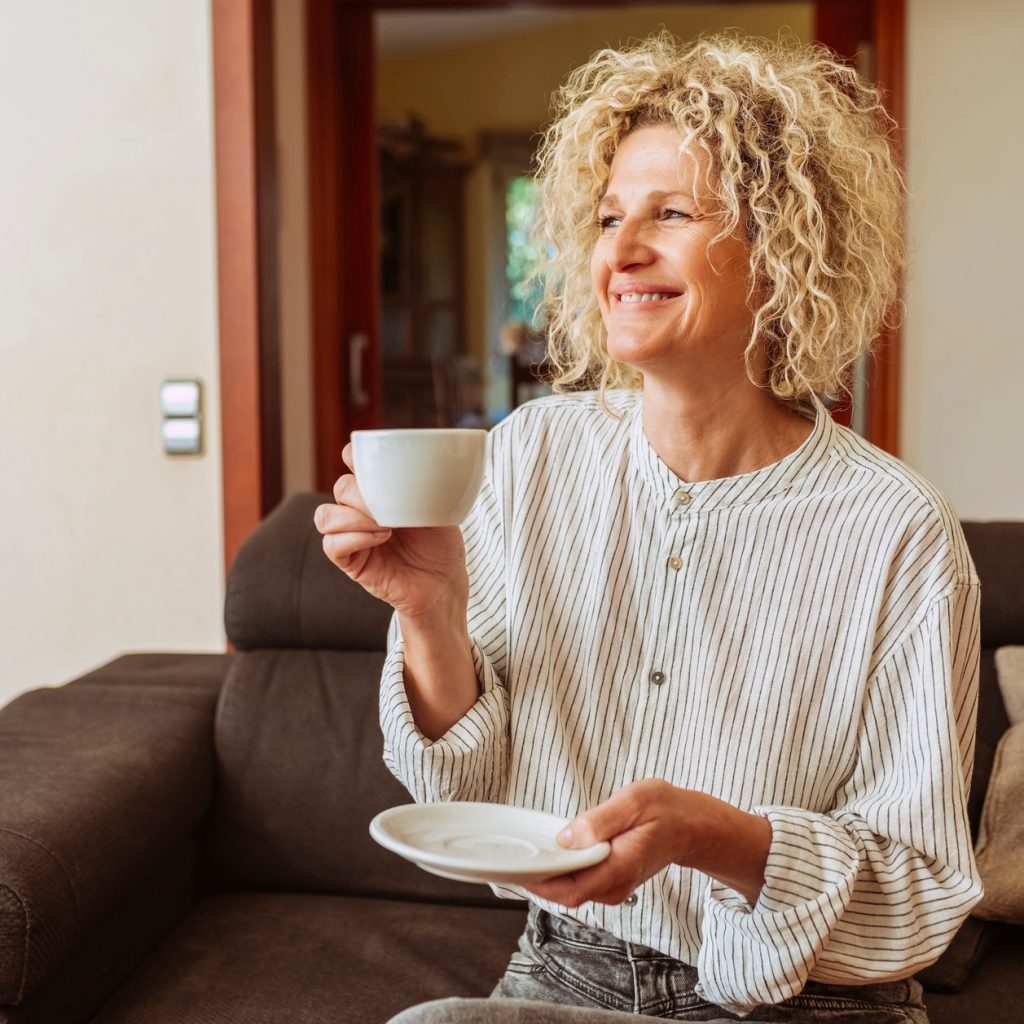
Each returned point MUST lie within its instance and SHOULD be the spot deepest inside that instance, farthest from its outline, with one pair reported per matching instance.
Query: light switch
(182, 436)
(179, 398)
(181, 408)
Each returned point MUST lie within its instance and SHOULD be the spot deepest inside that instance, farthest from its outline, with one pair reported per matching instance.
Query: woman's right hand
(419, 571)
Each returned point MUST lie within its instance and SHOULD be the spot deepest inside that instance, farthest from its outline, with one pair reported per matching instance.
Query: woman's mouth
(642, 300)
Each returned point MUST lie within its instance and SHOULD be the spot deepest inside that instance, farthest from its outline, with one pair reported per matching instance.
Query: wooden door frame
(247, 253)
(247, 239)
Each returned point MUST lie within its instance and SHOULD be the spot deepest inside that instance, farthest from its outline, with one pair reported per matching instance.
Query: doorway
(412, 204)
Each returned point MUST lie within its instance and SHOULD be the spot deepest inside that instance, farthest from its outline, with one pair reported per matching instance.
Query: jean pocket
(521, 963)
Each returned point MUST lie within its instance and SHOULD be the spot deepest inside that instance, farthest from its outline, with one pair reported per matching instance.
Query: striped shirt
(801, 641)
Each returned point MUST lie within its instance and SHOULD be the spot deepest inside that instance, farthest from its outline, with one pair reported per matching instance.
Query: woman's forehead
(659, 154)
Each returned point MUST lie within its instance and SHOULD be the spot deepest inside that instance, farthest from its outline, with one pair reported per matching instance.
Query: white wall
(963, 377)
(107, 286)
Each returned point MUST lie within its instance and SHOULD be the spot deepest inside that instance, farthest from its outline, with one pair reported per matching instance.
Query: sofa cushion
(1000, 846)
(997, 549)
(992, 724)
(300, 774)
(994, 993)
(283, 591)
(109, 954)
(82, 768)
(264, 958)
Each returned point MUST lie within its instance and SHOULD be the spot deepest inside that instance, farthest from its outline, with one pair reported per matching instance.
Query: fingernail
(565, 836)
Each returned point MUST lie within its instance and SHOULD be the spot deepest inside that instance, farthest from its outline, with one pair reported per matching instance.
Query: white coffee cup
(423, 477)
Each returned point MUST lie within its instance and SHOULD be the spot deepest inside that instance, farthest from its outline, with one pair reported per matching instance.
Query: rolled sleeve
(874, 889)
(469, 762)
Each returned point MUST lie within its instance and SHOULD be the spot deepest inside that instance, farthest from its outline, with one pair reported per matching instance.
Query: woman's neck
(726, 432)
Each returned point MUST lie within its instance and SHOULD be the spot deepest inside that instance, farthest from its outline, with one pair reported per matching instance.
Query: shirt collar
(707, 495)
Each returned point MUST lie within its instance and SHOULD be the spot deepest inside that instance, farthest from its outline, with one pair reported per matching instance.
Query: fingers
(349, 551)
(611, 881)
(347, 533)
(345, 518)
(346, 492)
(616, 815)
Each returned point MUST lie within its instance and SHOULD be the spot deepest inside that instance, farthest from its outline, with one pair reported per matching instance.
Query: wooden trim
(889, 33)
(236, 52)
(844, 25)
(343, 204)
(324, 55)
(469, 5)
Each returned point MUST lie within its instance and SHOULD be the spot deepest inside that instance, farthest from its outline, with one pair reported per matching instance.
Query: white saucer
(473, 842)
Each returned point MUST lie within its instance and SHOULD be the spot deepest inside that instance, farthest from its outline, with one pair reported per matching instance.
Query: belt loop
(539, 925)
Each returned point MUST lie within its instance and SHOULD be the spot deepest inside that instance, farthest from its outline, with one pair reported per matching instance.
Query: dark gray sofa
(183, 837)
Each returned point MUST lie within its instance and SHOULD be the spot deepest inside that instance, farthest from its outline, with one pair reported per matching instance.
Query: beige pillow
(1010, 672)
(1000, 846)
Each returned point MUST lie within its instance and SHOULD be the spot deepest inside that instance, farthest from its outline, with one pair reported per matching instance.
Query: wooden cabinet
(422, 278)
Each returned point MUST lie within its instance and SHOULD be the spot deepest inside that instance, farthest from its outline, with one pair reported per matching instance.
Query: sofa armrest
(97, 780)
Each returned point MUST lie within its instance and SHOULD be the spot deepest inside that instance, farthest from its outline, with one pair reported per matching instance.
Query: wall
(963, 340)
(107, 285)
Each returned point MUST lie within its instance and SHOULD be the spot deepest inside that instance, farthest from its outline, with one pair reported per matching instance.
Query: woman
(688, 611)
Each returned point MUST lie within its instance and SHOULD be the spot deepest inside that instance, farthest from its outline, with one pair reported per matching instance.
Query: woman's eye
(676, 213)
(606, 222)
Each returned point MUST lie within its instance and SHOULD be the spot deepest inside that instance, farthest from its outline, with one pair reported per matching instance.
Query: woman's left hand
(650, 825)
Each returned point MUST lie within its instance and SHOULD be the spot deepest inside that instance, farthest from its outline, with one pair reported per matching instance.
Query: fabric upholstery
(300, 773)
(107, 956)
(1010, 672)
(994, 992)
(1000, 846)
(97, 781)
(998, 552)
(992, 724)
(283, 592)
(270, 957)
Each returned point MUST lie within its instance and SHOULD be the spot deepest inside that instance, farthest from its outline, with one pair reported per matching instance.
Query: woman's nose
(630, 245)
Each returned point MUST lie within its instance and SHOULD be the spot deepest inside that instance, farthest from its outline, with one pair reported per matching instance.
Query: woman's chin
(637, 354)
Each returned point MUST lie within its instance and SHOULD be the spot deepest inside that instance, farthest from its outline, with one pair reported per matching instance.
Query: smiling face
(668, 301)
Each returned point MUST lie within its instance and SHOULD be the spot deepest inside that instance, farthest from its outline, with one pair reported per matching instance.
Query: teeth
(646, 297)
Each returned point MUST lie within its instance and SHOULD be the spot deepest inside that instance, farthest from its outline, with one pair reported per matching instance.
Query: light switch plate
(182, 436)
(180, 398)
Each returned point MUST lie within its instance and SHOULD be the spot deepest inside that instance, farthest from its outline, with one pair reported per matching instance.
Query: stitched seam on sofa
(63, 871)
(56, 860)
(26, 917)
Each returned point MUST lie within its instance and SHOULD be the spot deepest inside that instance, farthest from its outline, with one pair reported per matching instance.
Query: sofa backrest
(299, 749)
(299, 753)
(998, 552)
(283, 592)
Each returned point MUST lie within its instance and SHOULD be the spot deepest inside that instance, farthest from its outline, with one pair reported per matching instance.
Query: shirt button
(630, 900)
(657, 678)
(675, 562)
(681, 497)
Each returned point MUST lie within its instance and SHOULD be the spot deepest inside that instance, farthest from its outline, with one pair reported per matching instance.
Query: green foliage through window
(521, 206)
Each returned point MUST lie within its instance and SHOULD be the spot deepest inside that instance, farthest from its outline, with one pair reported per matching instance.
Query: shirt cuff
(469, 762)
(753, 955)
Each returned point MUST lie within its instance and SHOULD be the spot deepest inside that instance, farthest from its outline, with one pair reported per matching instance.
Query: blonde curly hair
(799, 152)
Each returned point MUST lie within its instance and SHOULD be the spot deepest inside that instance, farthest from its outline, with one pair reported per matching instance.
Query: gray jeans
(564, 973)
